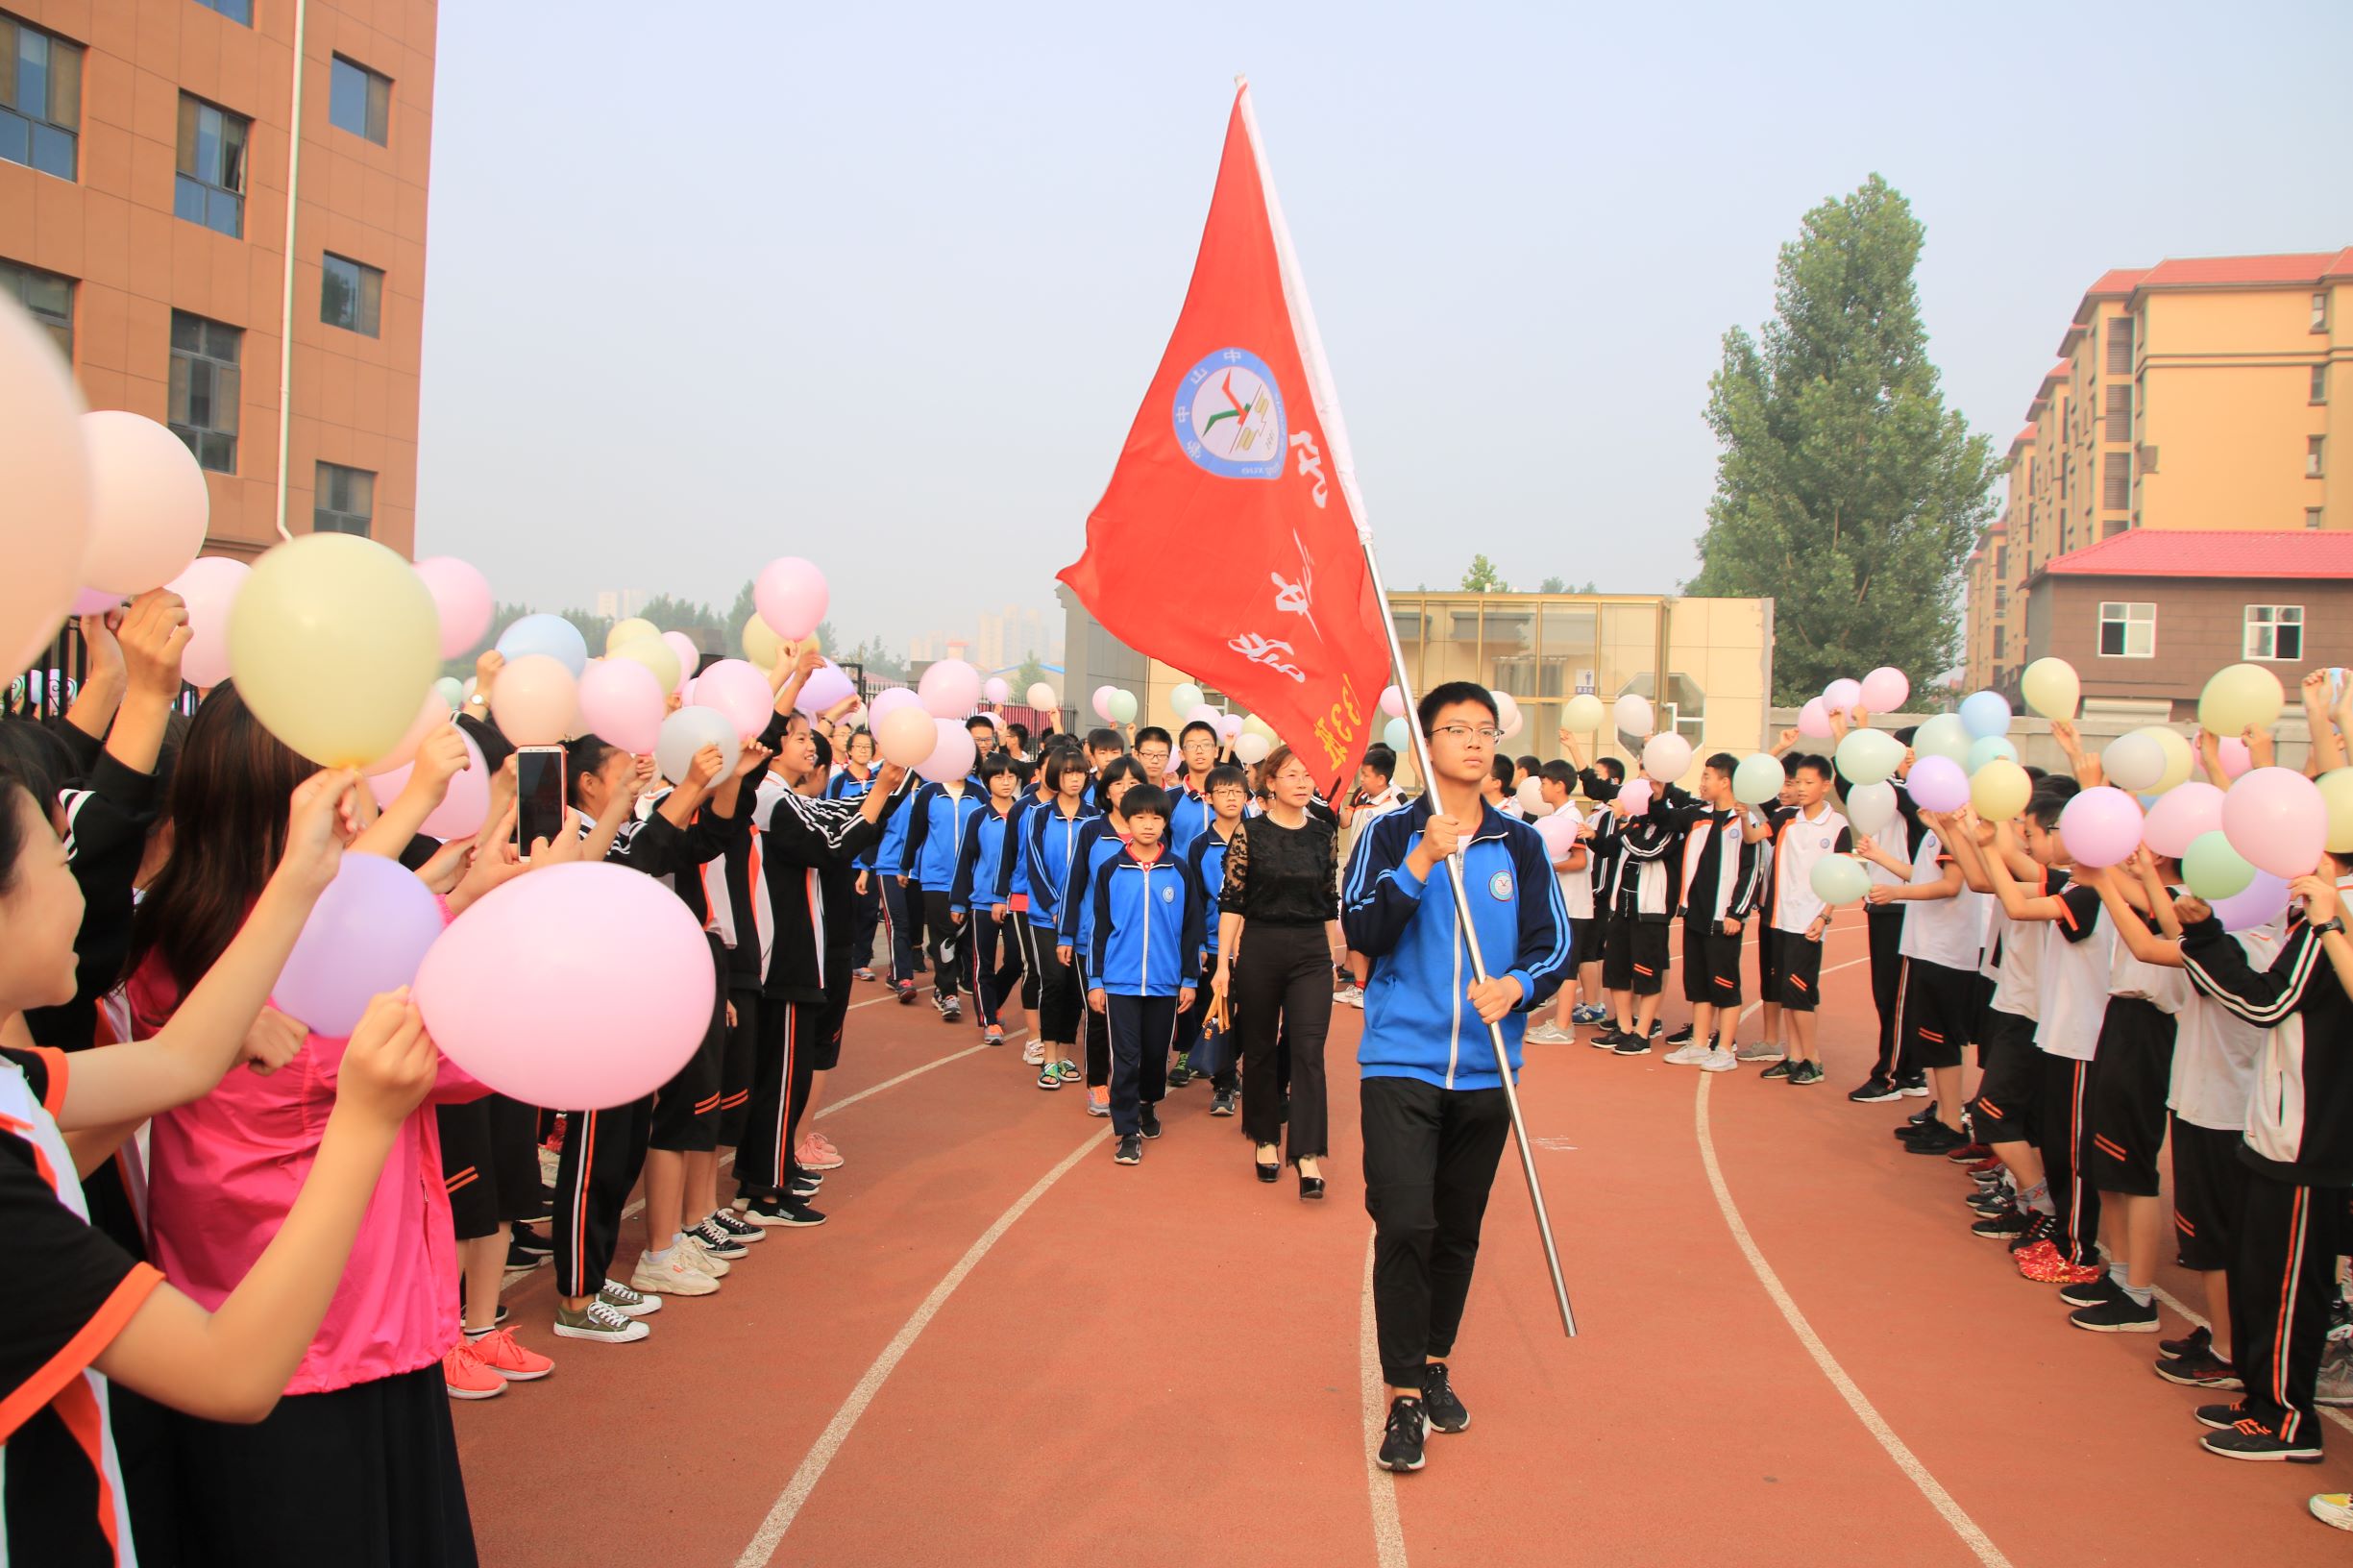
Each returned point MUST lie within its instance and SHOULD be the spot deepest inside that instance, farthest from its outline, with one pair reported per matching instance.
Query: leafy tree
(1029, 675)
(1846, 491)
(1483, 578)
(1561, 585)
(742, 610)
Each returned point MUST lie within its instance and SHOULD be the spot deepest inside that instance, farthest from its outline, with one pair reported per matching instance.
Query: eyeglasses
(1486, 734)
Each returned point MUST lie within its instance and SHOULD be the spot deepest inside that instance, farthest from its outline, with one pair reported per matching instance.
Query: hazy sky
(883, 286)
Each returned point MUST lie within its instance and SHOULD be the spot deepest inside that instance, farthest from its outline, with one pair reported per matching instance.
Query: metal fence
(49, 688)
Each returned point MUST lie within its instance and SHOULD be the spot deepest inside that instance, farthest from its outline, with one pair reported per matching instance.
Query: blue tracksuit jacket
(935, 832)
(1145, 928)
(980, 866)
(1049, 841)
(1208, 859)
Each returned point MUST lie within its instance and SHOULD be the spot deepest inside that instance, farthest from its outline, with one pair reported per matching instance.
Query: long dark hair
(227, 809)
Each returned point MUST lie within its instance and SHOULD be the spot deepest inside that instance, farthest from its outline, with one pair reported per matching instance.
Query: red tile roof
(2158, 552)
(2211, 271)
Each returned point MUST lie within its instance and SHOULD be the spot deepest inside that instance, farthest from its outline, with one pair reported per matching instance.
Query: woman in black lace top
(1281, 889)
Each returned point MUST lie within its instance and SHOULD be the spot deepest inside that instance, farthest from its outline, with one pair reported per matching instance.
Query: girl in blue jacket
(1143, 952)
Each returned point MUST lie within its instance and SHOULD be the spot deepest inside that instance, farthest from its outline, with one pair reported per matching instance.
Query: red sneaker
(1970, 1154)
(498, 1353)
(464, 1375)
(810, 1156)
(1986, 1163)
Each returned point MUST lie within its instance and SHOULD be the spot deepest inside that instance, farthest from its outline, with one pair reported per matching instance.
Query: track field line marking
(795, 1493)
(2199, 1320)
(1972, 1537)
(1389, 1532)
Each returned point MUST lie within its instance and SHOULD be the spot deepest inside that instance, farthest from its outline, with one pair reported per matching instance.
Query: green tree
(1483, 578)
(1029, 675)
(742, 610)
(1561, 585)
(1845, 490)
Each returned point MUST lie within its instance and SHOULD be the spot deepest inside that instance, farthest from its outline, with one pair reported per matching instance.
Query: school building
(147, 171)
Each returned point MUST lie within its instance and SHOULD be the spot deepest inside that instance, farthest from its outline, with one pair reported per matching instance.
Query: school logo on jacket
(1229, 416)
(1500, 885)
(1167, 895)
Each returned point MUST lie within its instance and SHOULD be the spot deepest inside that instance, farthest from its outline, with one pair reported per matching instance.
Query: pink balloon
(2237, 759)
(367, 934)
(2100, 826)
(534, 700)
(622, 702)
(739, 692)
(1885, 690)
(1102, 702)
(952, 753)
(1392, 701)
(1636, 793)
(1938, 784)
(462, 810)
(462, 595)
(1842, 695)
(149, 503)
(995, 690)
(2258, 903)
(689, 655)
(2181, 814)
(207, 587)
(96, 602)
(950, 689)
(790, 596)
(578, 987)
(907, 736)
(1814, 721)
(434, 714)
(2276, 817)
(825, 687)
(1228, 726)
(888, 703)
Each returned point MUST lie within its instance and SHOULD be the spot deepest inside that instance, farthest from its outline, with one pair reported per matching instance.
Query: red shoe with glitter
(2042, 1263)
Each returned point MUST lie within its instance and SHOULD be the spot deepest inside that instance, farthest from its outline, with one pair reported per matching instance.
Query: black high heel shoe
(1270, 1172)
(1311, 1188)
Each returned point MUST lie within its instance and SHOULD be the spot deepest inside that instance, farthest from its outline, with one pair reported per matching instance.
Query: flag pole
(1326, 400)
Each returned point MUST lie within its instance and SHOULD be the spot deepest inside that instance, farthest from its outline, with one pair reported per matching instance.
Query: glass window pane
(347, 97)
(7, 56)
(227, 387)
(31, 71)
(336, 292)
(371, 301)
(209, 144)
(225, 211)
(379, 110)
(66, 85)
(52, 150)
(187, 331)
(46, 294)
(187, 133)
(232, 152)
(362, 500)
(181, 367)
(15, 138)
(189, 200)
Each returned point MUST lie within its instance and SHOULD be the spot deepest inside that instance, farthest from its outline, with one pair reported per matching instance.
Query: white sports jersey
(1802, 844)
(1945, 931)
(2214, 1050)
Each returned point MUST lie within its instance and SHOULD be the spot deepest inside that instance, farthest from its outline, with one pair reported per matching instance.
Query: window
(40, 98)
(2320, 383)
(2313, 516)
(2273, 632)
(345, 502)
(49, 298)
(2119, 346)
(2128, 632)
(2002, 562)
(2116, 481)
(2119, 413)
(2315, 446)
(1997, 641)
(351, 295)
(360, 101)
(2320, 312)
(205, 389)
(236, 10)
(212, 181)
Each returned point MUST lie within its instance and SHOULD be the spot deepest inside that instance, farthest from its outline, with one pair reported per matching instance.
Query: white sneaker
(698, 1257)
(1549, 1033)
(1763, 1050)
(1034, 1053)
(627, 1302)
(1349, 996)
(599, 1321)
(1688, 1056)
(678, 1277)
(1718, 1060)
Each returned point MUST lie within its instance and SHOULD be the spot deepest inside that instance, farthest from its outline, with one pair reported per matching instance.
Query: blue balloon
(1989, 748)
(550, 634)
(1985, 712)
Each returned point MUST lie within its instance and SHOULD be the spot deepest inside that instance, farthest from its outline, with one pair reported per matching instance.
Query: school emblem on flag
(1229, 416)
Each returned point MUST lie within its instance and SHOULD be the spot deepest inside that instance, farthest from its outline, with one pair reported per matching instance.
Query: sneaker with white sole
(1034, 1053)
(809, 1155)
(499, 1352)
(1763, 1050)
(2332, 1509)
(672, 1276)
(598, 1322)
(465, 1377)
(736, 1227)
(1687, 1056)
(697, 1256)
(714, 1242)
(1718, 1060)
(627, 1302)
(1549, 1033)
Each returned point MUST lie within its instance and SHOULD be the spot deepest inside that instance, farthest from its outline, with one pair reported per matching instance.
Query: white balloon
(1666, 757)
(1634, 714)
(1251, 746)
(1871, 807)
(688, 731)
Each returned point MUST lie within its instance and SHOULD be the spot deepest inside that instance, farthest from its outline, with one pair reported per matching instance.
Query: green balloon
(1758, 779)
(1839, 879)
(2212, 870)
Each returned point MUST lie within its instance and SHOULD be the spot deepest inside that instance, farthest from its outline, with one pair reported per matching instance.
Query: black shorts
(736, 1063)
(825, 1050)
(1797, 963)
(686, 1110)
(1935, 1004)
(2209, 1185)
(1769, 943)
(1635, 957)
(1711, 966)
(1980, 1007)
(2126, 1119)
(1585, 943)
(2004, 1111)
(489, 1164)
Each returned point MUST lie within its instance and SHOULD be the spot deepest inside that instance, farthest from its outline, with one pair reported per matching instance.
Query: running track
(1006, 1350)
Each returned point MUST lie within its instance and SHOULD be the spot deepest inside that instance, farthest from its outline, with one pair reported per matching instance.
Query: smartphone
(539, 795)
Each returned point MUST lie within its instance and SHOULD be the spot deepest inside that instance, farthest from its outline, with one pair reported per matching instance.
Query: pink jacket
(224, 1172)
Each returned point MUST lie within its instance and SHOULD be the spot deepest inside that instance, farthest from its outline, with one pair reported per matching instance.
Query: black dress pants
(1282, 990)
(1429, 1160)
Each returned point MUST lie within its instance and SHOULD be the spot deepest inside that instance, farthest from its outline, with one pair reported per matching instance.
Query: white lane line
(849, 1100)
(1972, 1537)
(2199, 1320)
(788, 1504)
(1389, 1532)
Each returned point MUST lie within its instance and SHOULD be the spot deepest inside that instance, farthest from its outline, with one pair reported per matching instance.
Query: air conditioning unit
(2147, 459)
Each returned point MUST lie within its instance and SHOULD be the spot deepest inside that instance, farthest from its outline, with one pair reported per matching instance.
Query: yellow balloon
(2179, 760)
(2240, 698)
(2337, 790)
(656, 656)
(625, 632)
(333, 643)
(761, 645)
(2000, 790)
(2051, 688)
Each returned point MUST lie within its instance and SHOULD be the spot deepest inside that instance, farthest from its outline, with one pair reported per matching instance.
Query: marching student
(978, 899)
(1013, 876)
(902, 908)
(1100, 839)
(1228, 791)
(1798, 919)
(1890, 1076)
(813, 1151)
(1943, 941)
(1152, 747)
(1717, 887)
(1052, 836)
(938, 819)
(1431, 1099)
(1188, 807)
(1143, 931)
(1575, 870)
(849, 782)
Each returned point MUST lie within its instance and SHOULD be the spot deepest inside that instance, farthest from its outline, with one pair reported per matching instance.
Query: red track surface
(1168, 1364)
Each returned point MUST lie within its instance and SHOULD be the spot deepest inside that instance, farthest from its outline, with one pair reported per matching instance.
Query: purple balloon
(1938, 784)
(2100, 826)
(887, 701)
(366, 935)
(2255, 904)
(825, 687)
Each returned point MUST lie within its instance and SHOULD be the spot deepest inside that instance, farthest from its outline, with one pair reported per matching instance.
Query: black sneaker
(522, 1239)
(1804, 1073)
(1912, 1086)
(2039, 1227)
(1401, 1445)
(1656, 1028)
(2119, 1315)
(518, 1257)
(1147, 1118)
(1223, 1104)
(1937, 1138)
(1438, 1401)
(2092, 1292)
(1874, 1091)
(799, 1214)
(2201, 1370)
(738, 1228)
(1681, 1037)
(950, 1009)
(1180, 1075)
(2248, 1439)
(716, 1241)
(2002, 1226)
(2198, 1341)
(1914, 1122)
(1630, 1045)
(546, 1204)
(1781, 1070)
(1129, 1152)
(906, 993)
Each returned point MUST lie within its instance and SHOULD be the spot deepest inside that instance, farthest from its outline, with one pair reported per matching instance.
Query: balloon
(1202, 714)
(2335, 786)
(1985, 712)
(2259, 903)
(1842, 695)
(1758, 779)
(2000, 790)
(1583, 714)
(583, 986)
(1257, 725)
(2133, 761)
(1529, 793)
(1228, 726)
(662, 659)
(761, 645)
(367, 934)
(148, 504)
(950, 689)
(888, 703)
(534, 701)
(996, 690)
(446, 688)
(2237, 759)
(1814, 721)
(689, 656)
(952, 753)
(2277, 818)
(1632, 714)
(1557, 828)
(1124, 707)
(790, 596)
(1871, 807)
(2179, 760)
(1397, 736)
(825, 688)
(461, 596)
(209, 587)
(1992, 749)
(1938, 784)
(1101, 703)
(739, 694)
(2212, 870)
(95, 602)
(1636, 793)
(1839, 879)
(905, 734)
(1392, 701)
(431, 714)
(1251, 747)
(47, 465)
(550, 634)
(463, 809)
(1943, 736)
(1666, 757)
(1507, 714)
(1042, 698)
(1885, 690)
(2100, 826)
(686, 732)
(1868, 756)
(333, 643)
(622, 633)
(1184, 696)
(2051, 688)
(621, 703)
(2239, 698)
(2180, 815)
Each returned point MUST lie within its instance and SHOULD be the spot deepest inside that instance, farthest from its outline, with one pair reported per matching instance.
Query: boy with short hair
(1944, 940)
(1717, 887)
(1141, 984)
(1564, 825)
(1153, 748)
(1641, 906)
(979, 901)
(1798, 917)
(1103, 745)
(1188, 809)
(1228, 792)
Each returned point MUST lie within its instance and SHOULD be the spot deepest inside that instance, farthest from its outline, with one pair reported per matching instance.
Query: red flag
(1227, 543)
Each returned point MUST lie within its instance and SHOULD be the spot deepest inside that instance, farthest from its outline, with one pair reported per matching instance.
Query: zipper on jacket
(1146, 979)
(1453, 1039)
